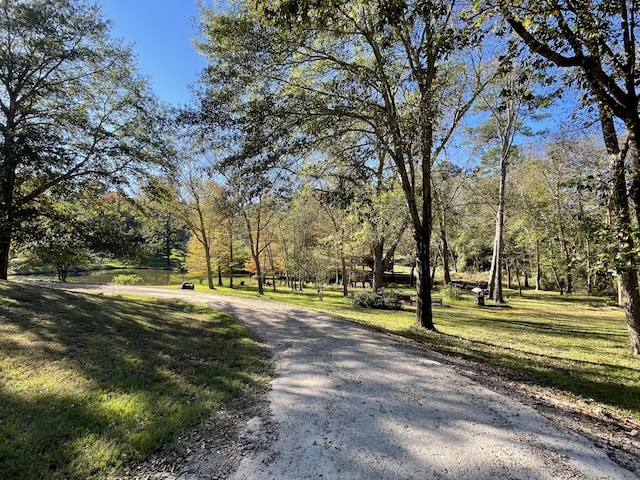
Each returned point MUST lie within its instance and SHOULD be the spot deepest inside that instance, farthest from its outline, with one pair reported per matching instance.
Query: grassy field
(577, 344)
(88, 382)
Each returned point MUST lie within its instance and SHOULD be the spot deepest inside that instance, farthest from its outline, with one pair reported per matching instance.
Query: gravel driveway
(347, 403)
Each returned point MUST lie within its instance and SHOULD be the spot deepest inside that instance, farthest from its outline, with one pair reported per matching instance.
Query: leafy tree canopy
(72, 107)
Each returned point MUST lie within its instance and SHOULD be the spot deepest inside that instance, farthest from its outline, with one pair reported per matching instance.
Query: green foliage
(72, 228)
(325, 83)
(56, 239)
(112, 224)
(73, 110)
(163, 226)
(93, 382)
(379, 299)
(449, 294)
(127, 280)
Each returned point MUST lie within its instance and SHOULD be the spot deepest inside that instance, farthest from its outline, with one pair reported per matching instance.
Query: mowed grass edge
(89, 383)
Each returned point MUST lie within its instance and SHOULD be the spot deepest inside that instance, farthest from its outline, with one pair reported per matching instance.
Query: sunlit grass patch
(89, 382)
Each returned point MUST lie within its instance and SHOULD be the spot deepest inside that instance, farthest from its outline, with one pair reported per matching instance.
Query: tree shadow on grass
(88, 382)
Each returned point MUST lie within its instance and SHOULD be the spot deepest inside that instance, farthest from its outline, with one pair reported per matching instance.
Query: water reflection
(105, 277)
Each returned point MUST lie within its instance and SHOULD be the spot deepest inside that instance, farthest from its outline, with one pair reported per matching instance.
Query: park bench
(405, 298)
(411, 300)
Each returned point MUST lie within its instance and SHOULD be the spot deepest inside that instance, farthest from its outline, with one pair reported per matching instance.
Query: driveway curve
(348, 403)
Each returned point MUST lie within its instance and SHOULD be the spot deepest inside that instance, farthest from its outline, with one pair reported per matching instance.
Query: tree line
(320, 134)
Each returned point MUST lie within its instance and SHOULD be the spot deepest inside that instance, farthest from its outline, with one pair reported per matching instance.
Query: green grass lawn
(88, 383)
(575, 343)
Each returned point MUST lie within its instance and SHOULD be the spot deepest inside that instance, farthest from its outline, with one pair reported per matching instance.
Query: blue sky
(161, 31)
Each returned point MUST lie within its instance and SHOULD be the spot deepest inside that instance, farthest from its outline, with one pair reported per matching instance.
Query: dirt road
(351, 404)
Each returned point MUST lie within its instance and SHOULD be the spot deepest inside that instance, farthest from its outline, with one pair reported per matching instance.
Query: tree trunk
(630, 303)
(231, 265)
(538, 271)
(424, 314)
(259, 277)
(633, 129)
(420, 206)
(202, 233)
(256, 259)
(273, 267)
(589, 267)
(255, 249)
(5, 247)
(567, 254)
(433, 273)
(619, 289)
(339, 229)
(518, 280)
(627, 270)
(495, 274)
(378, 266)
(219, 272)
(558, 280)
(445, 253)
(167, 244)
(207, 259)
(6, 227)
(8, 166)
(62, 271)
(343, 266)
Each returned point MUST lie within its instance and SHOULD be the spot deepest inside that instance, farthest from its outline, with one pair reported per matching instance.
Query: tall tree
(71, 106)
(598, 40)
(163, 229)
(228, 206)
(240, 115)
(334, 201)
(382, 65)
(506, 99)
(353, 173)
(447, 183)
(301, 235)
(60, 238)
(379, 214)
(259, 211)
(74, 227)
(197, 206)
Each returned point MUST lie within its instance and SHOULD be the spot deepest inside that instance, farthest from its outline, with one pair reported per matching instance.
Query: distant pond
(105, 277)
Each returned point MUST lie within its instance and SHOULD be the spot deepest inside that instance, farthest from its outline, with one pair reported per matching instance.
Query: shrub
(127, 280)
(381, 299)
(449, 294)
